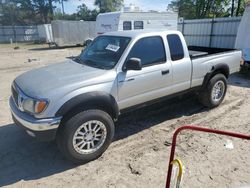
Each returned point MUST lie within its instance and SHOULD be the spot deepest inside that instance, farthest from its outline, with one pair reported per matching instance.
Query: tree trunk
(238, 8)
(51, 8)
(232, 10)
(63, 7)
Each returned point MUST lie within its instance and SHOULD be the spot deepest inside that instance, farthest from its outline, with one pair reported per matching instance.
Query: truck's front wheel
(215, 91)
(85, 136)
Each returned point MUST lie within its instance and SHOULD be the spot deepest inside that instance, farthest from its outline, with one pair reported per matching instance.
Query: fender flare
(222, 68)
(99, 100)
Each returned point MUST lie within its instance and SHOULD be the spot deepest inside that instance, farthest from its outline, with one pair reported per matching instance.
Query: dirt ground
(139, 155)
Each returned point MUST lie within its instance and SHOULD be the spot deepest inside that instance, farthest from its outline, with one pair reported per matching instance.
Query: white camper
(243, 36)
(119, 21)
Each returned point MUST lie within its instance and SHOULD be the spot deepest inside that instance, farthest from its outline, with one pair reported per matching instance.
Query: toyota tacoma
(76, 102)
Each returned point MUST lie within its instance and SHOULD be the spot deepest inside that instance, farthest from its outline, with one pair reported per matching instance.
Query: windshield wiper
(92, 64)
(89, 63)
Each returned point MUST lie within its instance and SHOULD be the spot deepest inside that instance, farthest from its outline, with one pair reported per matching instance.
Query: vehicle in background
(45, 33)
(117, 72)
(243, 38)
(67, 33)
(72, 33)
(121, 21)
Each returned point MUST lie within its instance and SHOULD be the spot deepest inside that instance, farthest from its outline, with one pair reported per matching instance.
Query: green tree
(241, 5)
(25, 12)
(186, 8)
(83, 13)
(199, 9)
(51, 8)
(219, 9)
(9, 13)
(109, 5)
(57, 1)
(42, 8)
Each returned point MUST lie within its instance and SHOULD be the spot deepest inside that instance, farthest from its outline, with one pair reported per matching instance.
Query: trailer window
(175, 46)
(138, 25)
(150, 50)
(127, 25)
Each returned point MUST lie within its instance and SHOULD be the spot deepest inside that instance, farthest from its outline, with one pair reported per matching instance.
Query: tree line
(26, 12)
(198, 9)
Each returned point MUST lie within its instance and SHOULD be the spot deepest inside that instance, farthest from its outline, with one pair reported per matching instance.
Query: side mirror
(133, 64)
(87, 42)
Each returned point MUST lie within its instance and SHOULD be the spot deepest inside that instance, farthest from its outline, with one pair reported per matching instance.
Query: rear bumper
(41, 129)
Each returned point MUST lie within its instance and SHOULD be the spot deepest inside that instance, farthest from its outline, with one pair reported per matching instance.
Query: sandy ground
(139, 155)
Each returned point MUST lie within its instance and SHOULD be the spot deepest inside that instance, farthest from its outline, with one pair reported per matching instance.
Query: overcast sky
(159, 5)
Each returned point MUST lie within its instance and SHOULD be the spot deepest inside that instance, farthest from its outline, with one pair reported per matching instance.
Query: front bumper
(41, 129)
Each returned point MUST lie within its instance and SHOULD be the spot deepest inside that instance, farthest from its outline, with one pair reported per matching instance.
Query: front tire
(215, 92)
(86, 136)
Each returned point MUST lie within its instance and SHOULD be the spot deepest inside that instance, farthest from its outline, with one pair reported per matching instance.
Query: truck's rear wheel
(85, 136)
(215, 91)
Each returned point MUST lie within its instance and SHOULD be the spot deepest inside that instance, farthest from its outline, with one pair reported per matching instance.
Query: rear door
(155, 78)
(181, 63)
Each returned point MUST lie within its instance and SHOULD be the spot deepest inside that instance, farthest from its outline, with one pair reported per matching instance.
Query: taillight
(241, 61)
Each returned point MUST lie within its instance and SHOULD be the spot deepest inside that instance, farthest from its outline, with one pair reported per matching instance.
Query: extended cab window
(150, 50)
(127, 25)
(138, 25)
(175, 46)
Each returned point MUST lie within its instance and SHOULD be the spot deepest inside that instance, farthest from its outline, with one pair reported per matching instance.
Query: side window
(127, 25)
(138, 25)
(150, 50)
(175, 46)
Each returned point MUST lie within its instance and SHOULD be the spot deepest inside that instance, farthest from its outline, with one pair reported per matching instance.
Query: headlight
(34, 106)
(26, 103)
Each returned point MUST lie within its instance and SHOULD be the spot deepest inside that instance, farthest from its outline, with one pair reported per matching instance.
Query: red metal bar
(201, 129)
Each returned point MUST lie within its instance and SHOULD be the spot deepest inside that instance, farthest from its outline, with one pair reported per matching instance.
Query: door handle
(128, 80)
(165, 72)
(131, 79)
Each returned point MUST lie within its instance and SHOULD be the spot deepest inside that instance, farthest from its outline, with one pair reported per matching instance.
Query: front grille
(14, 95)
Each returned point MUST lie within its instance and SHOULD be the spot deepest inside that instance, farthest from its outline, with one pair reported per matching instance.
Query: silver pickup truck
(76, 102)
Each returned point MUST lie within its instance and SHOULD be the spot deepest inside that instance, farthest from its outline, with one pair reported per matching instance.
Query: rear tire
(214, 93)
(85, 136)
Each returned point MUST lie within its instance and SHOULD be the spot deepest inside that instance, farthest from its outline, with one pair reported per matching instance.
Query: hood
(38, 82)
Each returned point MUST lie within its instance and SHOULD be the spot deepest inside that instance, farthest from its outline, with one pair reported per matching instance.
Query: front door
(153, 81)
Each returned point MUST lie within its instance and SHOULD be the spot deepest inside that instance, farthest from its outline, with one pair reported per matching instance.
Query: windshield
(104, 52)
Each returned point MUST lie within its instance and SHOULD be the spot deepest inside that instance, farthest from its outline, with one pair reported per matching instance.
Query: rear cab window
(127, 25)
(175, 47)
(150, 50)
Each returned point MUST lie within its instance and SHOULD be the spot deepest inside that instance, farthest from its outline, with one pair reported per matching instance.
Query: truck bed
(204, 59)
(198, 51)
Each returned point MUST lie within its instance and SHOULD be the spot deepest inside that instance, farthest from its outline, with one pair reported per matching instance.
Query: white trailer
(71, 33)
(119, 21)
(243, 36)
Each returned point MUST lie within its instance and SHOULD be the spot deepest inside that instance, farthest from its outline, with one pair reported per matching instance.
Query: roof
(135, 12)
(137, 33)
